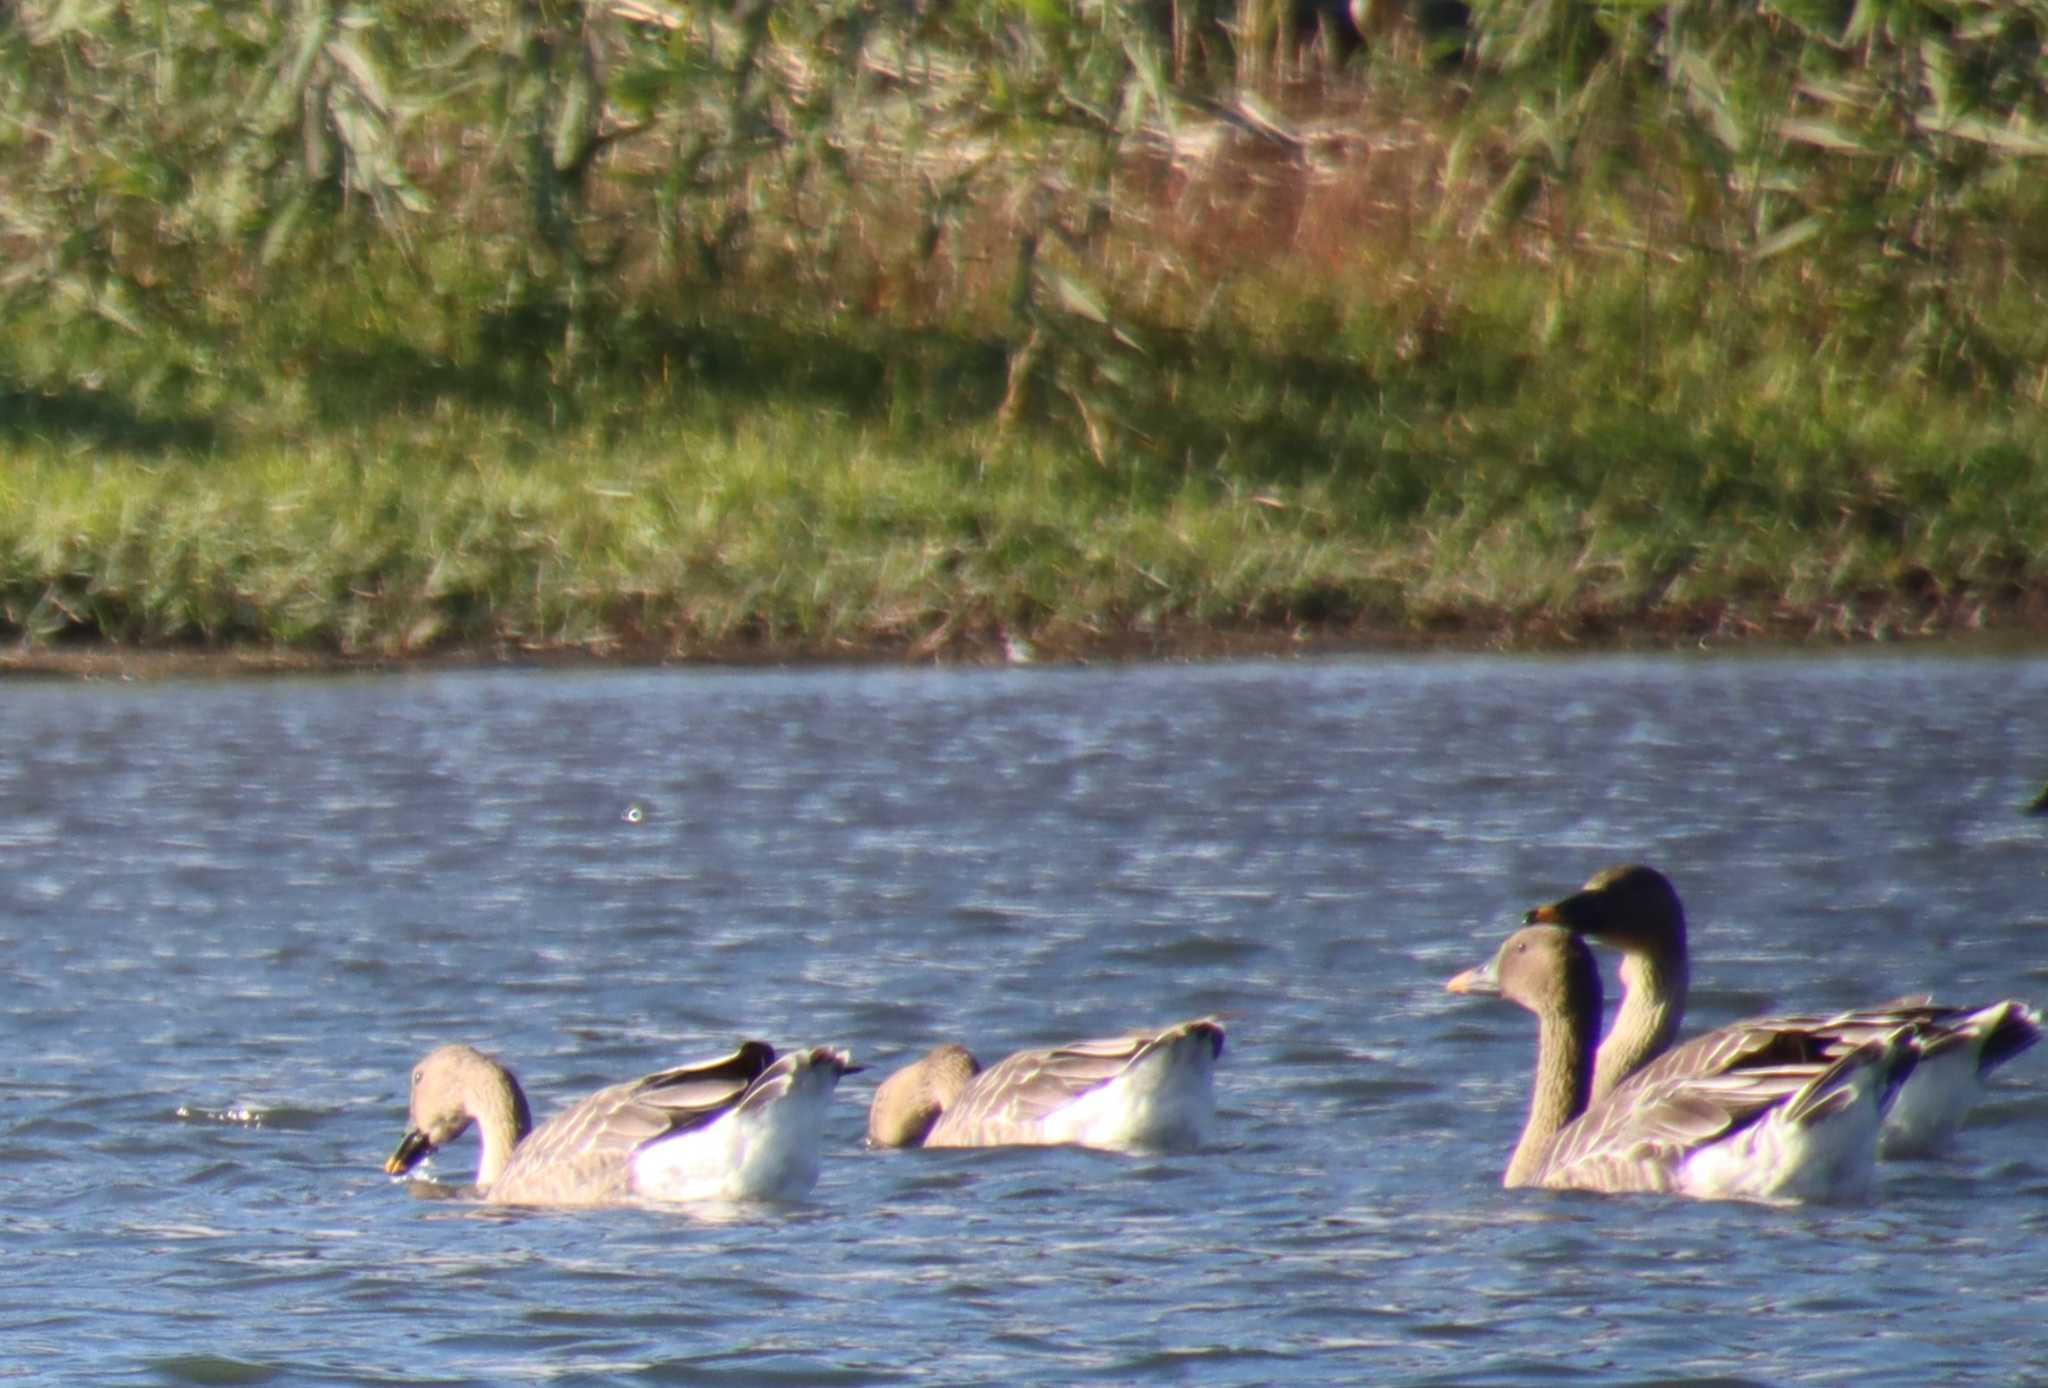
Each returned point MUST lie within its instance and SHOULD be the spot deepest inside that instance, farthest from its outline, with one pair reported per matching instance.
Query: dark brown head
(1633, 908)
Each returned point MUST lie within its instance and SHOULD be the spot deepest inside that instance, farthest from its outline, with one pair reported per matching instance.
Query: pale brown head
(1545, 968)
(910, 1101)
(452, 1086)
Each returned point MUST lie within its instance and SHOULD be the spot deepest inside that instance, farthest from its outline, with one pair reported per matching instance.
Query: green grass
(1648, 323)
(1531, 470)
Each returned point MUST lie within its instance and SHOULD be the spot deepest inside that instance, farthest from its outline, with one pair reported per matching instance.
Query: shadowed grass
(778, 483)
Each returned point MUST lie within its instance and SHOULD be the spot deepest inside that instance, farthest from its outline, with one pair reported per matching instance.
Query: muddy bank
(2019, 624)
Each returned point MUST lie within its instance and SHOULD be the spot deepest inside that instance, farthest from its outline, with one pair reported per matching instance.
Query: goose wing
(1011, 1101)
(777, 1080)
(1993, 1034)
(587, 1146)
(1644, 1134)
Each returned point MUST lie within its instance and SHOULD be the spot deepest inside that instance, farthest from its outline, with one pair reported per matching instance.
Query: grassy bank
(1368, 361)
(812, 487)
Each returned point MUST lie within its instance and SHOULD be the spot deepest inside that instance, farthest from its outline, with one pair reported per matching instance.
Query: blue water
(233, 913)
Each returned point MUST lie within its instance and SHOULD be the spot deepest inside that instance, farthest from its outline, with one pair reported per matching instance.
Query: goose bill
(414, 1148)
(1483, 979)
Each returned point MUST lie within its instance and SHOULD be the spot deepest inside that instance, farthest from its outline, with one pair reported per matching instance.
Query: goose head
(911, 1100)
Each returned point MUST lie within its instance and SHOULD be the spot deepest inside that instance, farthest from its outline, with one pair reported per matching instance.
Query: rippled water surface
(232, 914)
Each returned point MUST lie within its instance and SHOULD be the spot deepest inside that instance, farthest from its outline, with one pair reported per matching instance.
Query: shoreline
(2021, 630)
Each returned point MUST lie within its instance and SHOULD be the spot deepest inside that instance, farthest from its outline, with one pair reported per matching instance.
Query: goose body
(1770, 1124)
(1149, 1090)
(743, 1127)
(1636, 910)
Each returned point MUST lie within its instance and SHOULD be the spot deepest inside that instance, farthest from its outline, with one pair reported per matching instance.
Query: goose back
(1144, 1090)
(584, 1154)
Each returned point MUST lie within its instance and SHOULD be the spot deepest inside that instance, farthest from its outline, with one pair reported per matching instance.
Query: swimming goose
(1636, 910)
(742, 1128)
(1150, 1090)
(1770, 1126)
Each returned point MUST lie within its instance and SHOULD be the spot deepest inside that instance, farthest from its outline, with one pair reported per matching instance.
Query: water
(233, 913)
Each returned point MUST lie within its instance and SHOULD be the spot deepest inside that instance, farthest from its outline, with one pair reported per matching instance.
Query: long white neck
(1646, 1023)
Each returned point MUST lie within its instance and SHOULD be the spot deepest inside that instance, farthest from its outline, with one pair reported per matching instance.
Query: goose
(1636, 910)
(1773, 1125)
(1149, 1090)
(743, 1127)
